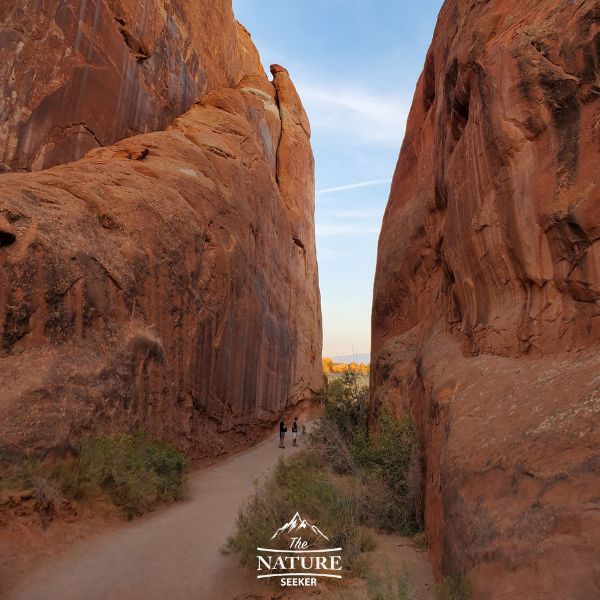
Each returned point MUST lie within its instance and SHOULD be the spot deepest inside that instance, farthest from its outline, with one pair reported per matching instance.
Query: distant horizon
(362, 357)
(355, 69)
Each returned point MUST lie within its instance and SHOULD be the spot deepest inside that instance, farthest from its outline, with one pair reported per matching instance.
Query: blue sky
(355, 64)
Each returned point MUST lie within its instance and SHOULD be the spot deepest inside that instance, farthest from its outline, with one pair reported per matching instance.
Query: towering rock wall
(167, 282)
(79, 74)
(486, 317)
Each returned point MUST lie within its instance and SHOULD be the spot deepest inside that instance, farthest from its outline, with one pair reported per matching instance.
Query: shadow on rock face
(7, 235)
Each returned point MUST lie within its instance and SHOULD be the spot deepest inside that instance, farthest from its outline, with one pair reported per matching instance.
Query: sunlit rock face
(79, 74)
(167, 282)
(486, 318)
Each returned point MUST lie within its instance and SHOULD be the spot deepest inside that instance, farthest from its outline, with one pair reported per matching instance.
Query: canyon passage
(158, 274)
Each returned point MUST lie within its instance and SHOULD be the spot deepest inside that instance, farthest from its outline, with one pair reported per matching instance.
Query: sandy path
(172, 554)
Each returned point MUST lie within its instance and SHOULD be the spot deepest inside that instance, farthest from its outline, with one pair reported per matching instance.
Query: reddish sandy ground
(175, 552)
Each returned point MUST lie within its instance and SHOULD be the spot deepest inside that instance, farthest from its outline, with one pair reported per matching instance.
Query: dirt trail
(173, 553)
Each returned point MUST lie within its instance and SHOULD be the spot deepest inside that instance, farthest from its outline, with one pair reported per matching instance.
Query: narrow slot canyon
(322, 330)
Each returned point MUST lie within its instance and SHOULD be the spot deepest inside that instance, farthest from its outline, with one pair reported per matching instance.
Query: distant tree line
(330, 367)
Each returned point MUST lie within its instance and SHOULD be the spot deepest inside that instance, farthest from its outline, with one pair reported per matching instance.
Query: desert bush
(330, 442)
(136, 470)
(453, 588)
(24, 471)
(346, 405)
(386, 458)
(302, 483)
(392, 586)
(30, 477)
(420, 540)
(47, 498)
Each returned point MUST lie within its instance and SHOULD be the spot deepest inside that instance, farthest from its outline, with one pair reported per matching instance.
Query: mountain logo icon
(297, 523)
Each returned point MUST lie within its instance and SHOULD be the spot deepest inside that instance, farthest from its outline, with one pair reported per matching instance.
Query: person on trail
(282, 430)
(295, 431)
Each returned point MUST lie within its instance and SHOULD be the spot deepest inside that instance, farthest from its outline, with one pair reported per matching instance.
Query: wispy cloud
(329, 230)
(351, 186)
(357, 112)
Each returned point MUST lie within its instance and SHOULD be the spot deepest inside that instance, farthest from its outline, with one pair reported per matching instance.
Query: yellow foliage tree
(327, 365)
(330, 367)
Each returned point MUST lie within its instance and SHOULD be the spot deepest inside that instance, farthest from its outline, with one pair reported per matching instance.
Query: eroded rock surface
(167, 282)
(486, 317)
(79, 74)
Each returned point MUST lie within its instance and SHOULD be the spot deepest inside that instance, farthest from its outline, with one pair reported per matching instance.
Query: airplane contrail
(351, 186)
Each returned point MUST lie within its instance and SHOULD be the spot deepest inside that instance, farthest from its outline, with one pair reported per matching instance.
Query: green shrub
(346, 405)
(136, 470)
(386, 458)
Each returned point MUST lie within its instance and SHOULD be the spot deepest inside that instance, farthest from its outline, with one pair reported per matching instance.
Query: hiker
(282, 430)
(295, 431)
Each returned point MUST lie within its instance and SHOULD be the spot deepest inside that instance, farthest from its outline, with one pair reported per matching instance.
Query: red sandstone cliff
(167, 282)
(486, 317)
(79, 74)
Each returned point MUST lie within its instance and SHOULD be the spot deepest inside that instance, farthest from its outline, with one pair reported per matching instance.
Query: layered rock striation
(486, 316)
(167, 282)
